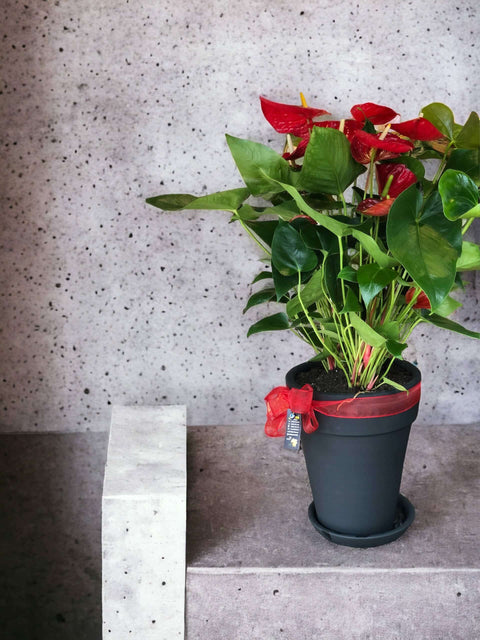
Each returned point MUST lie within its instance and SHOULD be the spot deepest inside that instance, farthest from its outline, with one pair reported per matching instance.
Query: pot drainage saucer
(404, 516)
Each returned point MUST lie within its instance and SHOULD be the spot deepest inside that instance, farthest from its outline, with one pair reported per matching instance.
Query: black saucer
(404, 517)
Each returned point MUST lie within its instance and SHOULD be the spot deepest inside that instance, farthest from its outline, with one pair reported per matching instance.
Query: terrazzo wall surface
(106, 300)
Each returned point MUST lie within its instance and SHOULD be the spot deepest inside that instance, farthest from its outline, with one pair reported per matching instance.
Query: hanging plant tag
(293, 431)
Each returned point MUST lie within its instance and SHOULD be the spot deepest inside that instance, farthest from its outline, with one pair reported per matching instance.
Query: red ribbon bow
(280, 399)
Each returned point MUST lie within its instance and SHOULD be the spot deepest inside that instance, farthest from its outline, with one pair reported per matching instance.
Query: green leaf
(424, 242)
(372, 248)
(348, 273)
(394, 384)
(257, 163)
(285, 211)
(277, 322)
(311, 292)
(247, 212)
(265, 295)
(395, 348)
(264, 229)
(351, 303)
(448, 306)
(322, 202)
(290, 254)
(328, 166)
(171, 201)
(372, 278)
(263, 275)
(466, 160)
(331, 267)
(323, 355)
(469, 259)
(459, 195)
(445, 323)
(337, 228)
(441, 117)
(221, 200)
(469, 136)
(283, 284)
(320, 238)
(389, 330)
(366, 332)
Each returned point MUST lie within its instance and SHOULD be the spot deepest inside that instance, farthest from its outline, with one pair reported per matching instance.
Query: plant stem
(253, 236)
(467, 225)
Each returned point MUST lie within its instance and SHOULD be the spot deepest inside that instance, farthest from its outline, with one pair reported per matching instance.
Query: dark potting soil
(334, 381)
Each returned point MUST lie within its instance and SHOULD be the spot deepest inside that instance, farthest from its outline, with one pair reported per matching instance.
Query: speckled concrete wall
(106, 300)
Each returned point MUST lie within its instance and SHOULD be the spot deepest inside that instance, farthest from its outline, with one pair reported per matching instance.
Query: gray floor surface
(50, 536)
(238, 519)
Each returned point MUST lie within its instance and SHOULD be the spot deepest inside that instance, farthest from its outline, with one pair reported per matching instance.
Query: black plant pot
(355, 468)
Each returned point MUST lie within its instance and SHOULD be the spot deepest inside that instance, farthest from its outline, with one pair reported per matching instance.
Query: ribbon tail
(310, 422)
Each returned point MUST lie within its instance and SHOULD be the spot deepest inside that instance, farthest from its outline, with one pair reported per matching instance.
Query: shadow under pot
(355, 459)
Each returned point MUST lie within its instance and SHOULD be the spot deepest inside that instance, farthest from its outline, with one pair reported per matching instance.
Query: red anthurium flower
(299, 150)
(422, 302)
(389, 146)
(350, 127)
(417, 129)
(373, 112)
(402, 178)
(301, 215)
(289, 118)
(374, 207)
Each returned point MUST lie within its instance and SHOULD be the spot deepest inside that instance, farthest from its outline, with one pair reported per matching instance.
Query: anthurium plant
(361, 224)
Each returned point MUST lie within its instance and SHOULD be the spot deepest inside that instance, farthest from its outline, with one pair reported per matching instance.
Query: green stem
(253, 236)
(467, 225)
(314, 327)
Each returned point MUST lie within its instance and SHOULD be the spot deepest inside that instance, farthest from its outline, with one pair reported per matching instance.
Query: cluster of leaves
(360, 246)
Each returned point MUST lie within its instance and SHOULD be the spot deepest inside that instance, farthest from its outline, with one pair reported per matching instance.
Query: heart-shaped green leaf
(265, 295)
(221, 200)
(264, 229)
(328, 166)
(311, 292)
(348, 273)
(469, 259)
(283, 284)
(466, 160)
(469, 136)
(290, 254)
(263, 275)
(445, 323)
(459, 195)
(372, 248)
(372, 278)
(351, 302)
(277, 322)
(448, 306)
(425, 242)
(395, 348)
(366, 332)
(257, 163)
(441, 117)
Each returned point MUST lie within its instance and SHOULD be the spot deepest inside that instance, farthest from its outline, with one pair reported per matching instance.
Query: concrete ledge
(257, 569)
(143, 524)
(333, 605)
(248, 501)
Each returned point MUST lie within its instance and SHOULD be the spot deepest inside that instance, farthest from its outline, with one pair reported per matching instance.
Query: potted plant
(362, 244)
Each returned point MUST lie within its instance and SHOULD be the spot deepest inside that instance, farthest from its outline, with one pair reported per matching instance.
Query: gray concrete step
(257, 568)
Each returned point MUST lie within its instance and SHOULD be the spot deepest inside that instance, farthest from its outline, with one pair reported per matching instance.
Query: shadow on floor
(50, 535)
